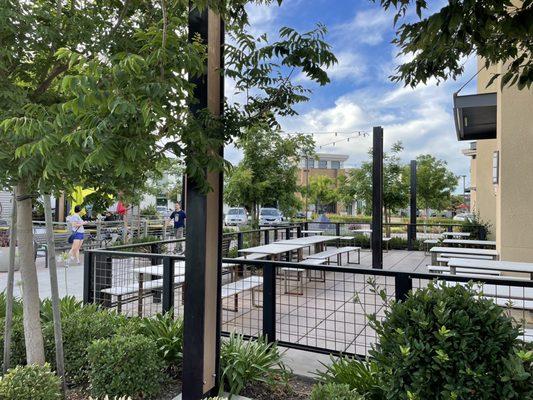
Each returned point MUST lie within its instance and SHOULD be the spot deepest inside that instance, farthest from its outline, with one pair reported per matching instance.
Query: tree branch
(43, 87)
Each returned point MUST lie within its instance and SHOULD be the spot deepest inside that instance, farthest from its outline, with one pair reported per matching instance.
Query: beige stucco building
(330, 165)
(502, 169)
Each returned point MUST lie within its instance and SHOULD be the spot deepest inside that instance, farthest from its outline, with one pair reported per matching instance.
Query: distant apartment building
(330, 165)
(500, 121)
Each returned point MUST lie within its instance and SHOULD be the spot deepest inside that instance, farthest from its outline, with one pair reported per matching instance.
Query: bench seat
(237, 287)
(459, 271)
(134, 287)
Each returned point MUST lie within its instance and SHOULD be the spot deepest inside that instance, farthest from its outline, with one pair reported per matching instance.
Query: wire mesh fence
(321, 308)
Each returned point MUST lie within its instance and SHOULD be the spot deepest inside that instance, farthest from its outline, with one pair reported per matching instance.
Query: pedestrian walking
(77, 234)
(178, 216)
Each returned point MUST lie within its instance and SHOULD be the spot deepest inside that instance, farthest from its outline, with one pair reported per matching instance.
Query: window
(495, 167)
(310, 163)
(335, 165)
(322, 164)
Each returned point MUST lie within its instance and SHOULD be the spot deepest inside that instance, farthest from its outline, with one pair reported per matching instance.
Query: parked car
(163, 211)
(270, 216)
(236, 216)
(464, 217)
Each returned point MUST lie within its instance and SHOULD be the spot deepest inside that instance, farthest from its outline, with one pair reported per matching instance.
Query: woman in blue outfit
(76, 225)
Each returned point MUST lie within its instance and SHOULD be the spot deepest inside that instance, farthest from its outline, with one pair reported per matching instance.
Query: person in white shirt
(77, 231)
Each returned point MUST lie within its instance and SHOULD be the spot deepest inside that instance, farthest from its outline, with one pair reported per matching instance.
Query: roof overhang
(475, 116)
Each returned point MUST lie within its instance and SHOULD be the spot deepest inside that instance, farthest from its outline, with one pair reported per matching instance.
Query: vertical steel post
(269, 303)
(202, 314)
(377, 198)
(411, 232)
(403, 284)
(168, 284)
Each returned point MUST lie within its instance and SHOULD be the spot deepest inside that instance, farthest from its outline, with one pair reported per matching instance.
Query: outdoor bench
(460, 271)
(338, 252)
(444, 258)
(139, 290)
(237, 287)
(288, 271)
(428, 243)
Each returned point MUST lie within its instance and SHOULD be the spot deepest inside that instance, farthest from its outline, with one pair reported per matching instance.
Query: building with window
(329, 165)
(501, 123)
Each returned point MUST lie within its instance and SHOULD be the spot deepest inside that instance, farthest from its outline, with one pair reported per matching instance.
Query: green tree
(97, 94)
(436, 44)
(267, 174)
(322, 191)
(395, 182)
(435, 183)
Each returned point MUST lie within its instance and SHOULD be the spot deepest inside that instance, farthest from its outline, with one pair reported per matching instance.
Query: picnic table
(318, 241)
(273, 250)
(469, 242)
(435, 251)
(456, 234)
(506, 266)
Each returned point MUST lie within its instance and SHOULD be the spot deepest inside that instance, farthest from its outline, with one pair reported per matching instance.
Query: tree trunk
(10, 284)
(58, 335)
(33, 334)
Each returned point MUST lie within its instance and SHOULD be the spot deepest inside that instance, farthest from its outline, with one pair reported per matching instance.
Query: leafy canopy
(98, 93)
(435, 182)
(358, 183)
(267, 174)
(497, 30)
(322, 191)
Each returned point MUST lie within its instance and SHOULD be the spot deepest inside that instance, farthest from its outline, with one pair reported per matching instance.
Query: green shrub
(167, 334)
(68, 305)
(30, 382)
(360, 376)
(18, 346)
(80, 329)
(17, 305)
(244, 362)
(334, 391)
(125, 366)
(447, 343)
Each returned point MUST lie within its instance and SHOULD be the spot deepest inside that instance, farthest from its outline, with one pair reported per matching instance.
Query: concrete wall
(508, 204)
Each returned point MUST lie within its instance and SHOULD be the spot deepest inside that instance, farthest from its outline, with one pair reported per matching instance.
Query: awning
(475, 116)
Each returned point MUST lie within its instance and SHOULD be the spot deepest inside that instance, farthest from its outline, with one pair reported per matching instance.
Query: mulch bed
(168, 392)
(296, 389)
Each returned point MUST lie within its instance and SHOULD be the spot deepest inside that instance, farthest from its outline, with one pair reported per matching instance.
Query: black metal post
(411, 232)
(88, 295)
(168, 284)
(377, 198)
(267, 236)
(202, 310)
(240, 241)
(269, 302)
(337, 228)
(299, 230)
(403, 284)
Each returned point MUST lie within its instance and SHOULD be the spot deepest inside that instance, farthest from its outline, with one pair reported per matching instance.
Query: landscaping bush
(334, 391)
(80, 329)
(360, 376)
(167, 334)
(18, 346)
(68, 305)
(448, 343)
(125, 366)
(245, 362)
(30, 382)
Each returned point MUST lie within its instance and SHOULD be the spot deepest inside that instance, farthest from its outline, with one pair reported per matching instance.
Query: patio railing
(322, 308)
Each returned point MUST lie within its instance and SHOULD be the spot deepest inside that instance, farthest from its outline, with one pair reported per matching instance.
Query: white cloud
(368, 26)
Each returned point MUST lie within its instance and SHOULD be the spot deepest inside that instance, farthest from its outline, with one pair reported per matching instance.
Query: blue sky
(361, 95)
